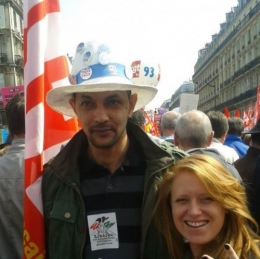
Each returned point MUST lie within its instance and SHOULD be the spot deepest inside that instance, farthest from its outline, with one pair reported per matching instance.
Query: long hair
(223, 188)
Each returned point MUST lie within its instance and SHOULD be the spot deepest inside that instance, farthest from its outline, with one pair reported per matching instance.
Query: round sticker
(103, 48)
(104, 58)
(80, 48)
(86, 73)
(87, 57)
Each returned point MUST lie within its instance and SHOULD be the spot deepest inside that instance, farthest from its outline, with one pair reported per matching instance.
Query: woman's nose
(194, 208)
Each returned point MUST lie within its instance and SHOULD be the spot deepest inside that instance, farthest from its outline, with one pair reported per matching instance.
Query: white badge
(103, 231)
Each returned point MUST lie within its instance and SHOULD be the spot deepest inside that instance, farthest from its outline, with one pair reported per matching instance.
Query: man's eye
(113, 102)
(86, 104)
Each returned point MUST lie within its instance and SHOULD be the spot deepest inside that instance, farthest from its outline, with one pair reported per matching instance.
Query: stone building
(227, 71)
(11, 47)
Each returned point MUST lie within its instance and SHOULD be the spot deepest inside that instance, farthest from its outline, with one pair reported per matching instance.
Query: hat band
(98, 70)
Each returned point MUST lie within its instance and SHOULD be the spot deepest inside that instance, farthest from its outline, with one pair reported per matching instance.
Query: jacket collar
(65, 164)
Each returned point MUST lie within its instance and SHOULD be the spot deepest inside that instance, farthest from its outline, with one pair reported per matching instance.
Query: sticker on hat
(144, 73)
(80, 48)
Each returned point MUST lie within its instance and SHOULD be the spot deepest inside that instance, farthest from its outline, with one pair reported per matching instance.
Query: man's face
(104, 116)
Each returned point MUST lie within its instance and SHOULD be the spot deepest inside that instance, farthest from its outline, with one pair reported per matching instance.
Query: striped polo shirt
(113, 204)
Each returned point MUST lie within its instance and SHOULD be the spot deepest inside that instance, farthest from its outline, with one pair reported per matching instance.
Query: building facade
(186, 87)
(11, 47)
(227, 71)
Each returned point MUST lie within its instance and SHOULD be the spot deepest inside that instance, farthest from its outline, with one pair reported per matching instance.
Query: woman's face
(197, 217)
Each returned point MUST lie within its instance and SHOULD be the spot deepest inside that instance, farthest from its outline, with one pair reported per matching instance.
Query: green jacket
(64, 209)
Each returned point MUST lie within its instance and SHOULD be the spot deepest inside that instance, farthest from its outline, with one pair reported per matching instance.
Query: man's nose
(100, 114)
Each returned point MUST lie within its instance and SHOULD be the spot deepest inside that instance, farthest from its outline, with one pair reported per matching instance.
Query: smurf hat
(95, 70)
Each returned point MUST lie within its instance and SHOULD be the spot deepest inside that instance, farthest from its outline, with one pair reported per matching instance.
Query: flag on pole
(45, 67)
(226, 112)
(237, 113)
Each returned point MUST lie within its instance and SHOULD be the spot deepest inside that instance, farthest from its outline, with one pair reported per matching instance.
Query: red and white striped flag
(45, 67)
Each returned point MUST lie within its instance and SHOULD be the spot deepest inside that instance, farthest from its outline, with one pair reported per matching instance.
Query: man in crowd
(12, 182)
(219, 123)
(233, 139)
(246, 164)
(99, 191)
(168, 124)
(194, 134)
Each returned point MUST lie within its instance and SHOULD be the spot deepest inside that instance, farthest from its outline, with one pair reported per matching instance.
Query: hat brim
(58, 98)
(252, 131)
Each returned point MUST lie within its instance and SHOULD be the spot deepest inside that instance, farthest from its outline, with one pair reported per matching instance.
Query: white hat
(94, 71)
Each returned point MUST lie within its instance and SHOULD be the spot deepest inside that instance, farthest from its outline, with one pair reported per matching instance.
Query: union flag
(45, 67)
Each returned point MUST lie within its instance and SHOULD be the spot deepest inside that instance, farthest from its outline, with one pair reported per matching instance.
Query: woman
(202, 211)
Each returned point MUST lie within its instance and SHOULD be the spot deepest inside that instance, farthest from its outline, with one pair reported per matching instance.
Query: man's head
(104, 115)
(254, 135)
(96, 69)
(102, 95)
(219, 123)
(168, 123)
(15, 116)
(236, 126)
(193, 130)
(138, 117)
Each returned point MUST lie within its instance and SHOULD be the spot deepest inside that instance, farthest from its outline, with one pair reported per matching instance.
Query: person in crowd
(12, 182)
(202, 212)
(254, 204)
(246, 139)
(138, 118)
(168, 124)
(246, 164)
(99, 191)
(4, 146)
(233, 139)
(194, 134)
(219, 123)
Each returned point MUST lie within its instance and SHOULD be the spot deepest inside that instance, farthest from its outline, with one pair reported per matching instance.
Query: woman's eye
(206, 199)
(181, 200)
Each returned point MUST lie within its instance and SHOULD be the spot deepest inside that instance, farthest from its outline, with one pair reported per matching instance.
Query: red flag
(45, 67)
(150, 126)
(257, 106)
(250, 116)
(246, 120)
(226, 112)
(237, 114)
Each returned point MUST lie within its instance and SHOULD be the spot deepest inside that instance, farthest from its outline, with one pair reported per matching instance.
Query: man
(99, 191)
(246, 164)
(168, 124)
(193, 134)
(12, 182)
(233, 139)
(219, 123)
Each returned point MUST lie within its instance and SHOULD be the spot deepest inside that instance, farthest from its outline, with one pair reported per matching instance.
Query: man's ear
(132, 102)
(73, 105)
(210, 138)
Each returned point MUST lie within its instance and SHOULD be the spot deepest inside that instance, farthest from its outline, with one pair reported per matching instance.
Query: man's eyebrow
(112, 96)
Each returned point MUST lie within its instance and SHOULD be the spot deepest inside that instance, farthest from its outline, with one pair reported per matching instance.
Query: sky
(169, 32)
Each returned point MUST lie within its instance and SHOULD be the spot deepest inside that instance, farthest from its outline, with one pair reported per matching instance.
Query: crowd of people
(114, 191)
